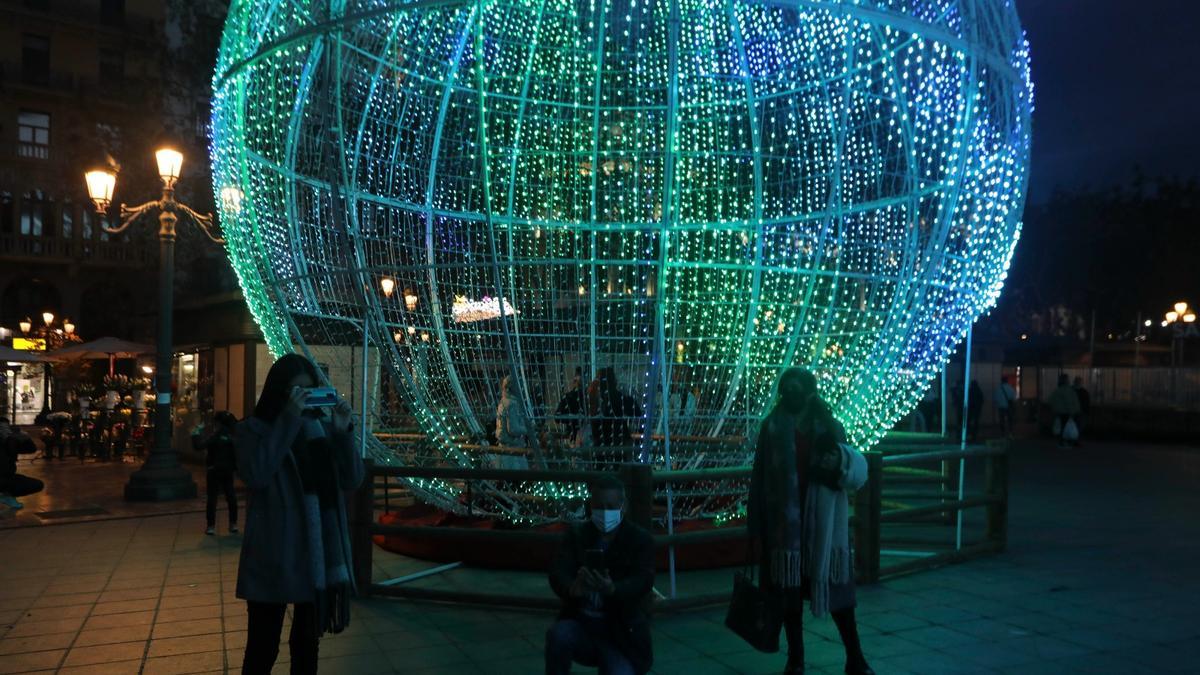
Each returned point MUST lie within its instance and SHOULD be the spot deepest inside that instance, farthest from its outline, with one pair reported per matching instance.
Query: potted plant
(84, 394)
(140, 387)
(115, 386)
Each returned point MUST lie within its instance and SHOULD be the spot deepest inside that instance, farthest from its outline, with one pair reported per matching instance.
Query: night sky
(1117, 84)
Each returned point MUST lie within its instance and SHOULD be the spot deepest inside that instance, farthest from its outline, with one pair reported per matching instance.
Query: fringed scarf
(828, 559)
(806, 540)
(328, 556)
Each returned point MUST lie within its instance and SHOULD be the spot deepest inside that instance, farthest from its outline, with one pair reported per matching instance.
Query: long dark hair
(279, 381)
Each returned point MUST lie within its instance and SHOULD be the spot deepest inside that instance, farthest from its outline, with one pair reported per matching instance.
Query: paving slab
(1099, 577)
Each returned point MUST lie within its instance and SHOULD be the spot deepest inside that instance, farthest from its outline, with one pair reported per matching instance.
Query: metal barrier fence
(1148, 387)
(935, 496)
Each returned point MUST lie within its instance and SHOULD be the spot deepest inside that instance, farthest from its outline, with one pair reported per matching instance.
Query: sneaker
(233, 528)
(211, 531)
(11, 502)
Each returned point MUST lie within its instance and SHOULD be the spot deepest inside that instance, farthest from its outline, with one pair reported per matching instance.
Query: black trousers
(221, 480)
(263, 625)
(19, 486)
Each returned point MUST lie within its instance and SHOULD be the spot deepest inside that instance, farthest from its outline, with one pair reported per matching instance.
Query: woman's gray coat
(274, 564)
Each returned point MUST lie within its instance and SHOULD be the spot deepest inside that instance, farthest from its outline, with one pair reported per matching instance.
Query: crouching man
(13, 484)
(604, 573)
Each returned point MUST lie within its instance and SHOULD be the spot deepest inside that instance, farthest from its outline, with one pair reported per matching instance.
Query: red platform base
(535, 556)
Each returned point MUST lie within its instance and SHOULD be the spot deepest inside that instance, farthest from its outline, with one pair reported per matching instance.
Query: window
(85, 230)
(112, 66)
(31, 214)
(33, 135)
(35, 59)
(7, 219)
(112, 12)
(68, 219)
(37, 214)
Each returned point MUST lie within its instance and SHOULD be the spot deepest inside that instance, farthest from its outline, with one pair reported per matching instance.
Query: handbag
(754, 614)
(1070, 432)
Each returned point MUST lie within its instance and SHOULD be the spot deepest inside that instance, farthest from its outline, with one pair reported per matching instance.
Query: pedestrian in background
(974, 410)
(1085, 405)
(1006, 400)
(1064, 404)
(296, 461)
(220, 464)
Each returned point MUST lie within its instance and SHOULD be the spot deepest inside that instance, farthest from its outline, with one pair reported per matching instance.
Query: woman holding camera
(296, 456)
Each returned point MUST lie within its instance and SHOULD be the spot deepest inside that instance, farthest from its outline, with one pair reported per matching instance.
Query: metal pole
(943, 401)
(673, 22)
(46, 385)
(162, 476)
(362, 389)
(963, 438)
(1137, 350)
(1092, 344)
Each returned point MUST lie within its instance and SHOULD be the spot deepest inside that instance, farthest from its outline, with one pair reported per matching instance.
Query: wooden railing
(641, 481)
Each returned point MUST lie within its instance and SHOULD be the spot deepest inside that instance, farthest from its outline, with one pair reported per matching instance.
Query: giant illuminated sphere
(697, 193)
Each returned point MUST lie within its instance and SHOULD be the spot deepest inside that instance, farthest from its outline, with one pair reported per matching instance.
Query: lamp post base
(160, 485)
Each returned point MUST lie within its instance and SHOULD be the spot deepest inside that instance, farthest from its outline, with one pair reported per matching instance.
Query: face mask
(606, 520)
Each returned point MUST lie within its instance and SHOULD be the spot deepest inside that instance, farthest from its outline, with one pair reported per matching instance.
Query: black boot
(793, 626)
(856, 663)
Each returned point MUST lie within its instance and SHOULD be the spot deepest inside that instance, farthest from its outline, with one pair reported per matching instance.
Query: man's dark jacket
(630, 562)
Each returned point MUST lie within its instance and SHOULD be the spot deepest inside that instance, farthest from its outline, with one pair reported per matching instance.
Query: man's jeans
(583, 642)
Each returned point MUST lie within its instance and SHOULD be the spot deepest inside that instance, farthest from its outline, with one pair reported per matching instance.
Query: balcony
(31, 249)
(33, 151)
(130, 91)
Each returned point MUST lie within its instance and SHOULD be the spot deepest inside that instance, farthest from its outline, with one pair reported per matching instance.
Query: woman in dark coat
(296, 463)
(798, 451)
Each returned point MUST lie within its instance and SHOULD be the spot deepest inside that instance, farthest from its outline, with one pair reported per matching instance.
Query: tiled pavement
(1100, 577)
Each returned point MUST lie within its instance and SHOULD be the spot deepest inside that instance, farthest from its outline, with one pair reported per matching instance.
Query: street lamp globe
(1181, 307)
(100, 185)
(388, 286)
(25, 325)
(48, 317)
(68, 327)
(170, 162)
(1172, 317)
(1189, 318)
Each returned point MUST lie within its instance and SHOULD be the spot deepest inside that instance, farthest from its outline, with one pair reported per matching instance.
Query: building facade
(100, 83)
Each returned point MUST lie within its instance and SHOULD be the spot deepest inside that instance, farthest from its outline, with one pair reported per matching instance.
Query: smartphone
(321, 397)
(593, 559)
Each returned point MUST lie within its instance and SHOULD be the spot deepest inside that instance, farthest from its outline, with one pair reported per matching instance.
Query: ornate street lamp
(162, 476)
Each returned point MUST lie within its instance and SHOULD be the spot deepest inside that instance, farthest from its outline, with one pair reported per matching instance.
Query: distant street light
(388, 286)
(162, 476)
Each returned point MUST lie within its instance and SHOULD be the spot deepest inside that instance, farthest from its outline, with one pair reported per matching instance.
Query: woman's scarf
(827, 556)
(807, 541)
(328, 557)
(783, 523)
